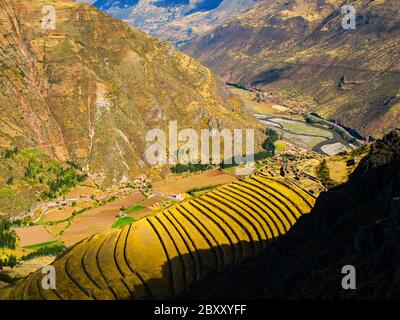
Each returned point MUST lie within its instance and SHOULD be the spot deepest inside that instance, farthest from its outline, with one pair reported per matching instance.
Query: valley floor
(291, 125)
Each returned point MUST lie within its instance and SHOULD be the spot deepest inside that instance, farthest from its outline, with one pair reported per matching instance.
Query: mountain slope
(298, 52)
(354, 224)
(28, 176)
(174, 20)
(81, 94)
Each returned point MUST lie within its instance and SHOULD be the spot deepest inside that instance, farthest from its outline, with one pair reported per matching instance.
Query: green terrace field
(122, 222)
(134, 208)
(301, 128)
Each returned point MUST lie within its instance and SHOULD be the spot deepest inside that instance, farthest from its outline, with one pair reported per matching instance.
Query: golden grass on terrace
(163, 256)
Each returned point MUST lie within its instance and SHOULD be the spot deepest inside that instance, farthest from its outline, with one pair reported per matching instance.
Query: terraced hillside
(164, 255)
(356, 223)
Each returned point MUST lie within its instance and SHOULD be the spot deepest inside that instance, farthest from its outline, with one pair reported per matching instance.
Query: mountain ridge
(81, 95)
(299, 53)
(177, 21)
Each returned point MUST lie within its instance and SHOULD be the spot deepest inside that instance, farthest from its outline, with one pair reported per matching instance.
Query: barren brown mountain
(90, 89)
(299, 52)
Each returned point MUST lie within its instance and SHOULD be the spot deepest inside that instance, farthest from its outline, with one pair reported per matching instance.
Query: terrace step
(164, 255)
(256, 205)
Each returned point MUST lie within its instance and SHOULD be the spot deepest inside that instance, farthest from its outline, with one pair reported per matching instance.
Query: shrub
(33, 169)
(6, 278)
(10, 180)
(8, 260)
(65, 179)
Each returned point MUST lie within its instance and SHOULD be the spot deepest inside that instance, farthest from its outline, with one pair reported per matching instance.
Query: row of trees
(190, 167)
(269, 151)
(65, 179)
(8, 238)
(51, 250)
(323, 175)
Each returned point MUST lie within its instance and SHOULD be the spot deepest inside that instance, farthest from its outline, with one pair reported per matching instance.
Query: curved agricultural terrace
(164, 255)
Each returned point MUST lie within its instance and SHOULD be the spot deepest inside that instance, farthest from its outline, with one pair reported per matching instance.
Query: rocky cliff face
(299, 52)
(90, 89)
(177, 21)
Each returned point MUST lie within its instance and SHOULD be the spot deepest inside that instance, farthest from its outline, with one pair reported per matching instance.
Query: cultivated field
(303, 141)
(161, 256)
(97, 219)
(302, 128)
(57, 229)
(249, 98)
(33, 235)
(177, 184)
(306, 136)
(58, 215)
(334, 148)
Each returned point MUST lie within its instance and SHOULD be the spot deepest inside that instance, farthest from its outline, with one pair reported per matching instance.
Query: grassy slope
(26, 177)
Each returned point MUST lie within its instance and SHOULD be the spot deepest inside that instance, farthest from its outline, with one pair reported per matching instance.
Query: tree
(272, 135)
(323, 175)
(8, 260)
(269, 143)
(8, 237)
